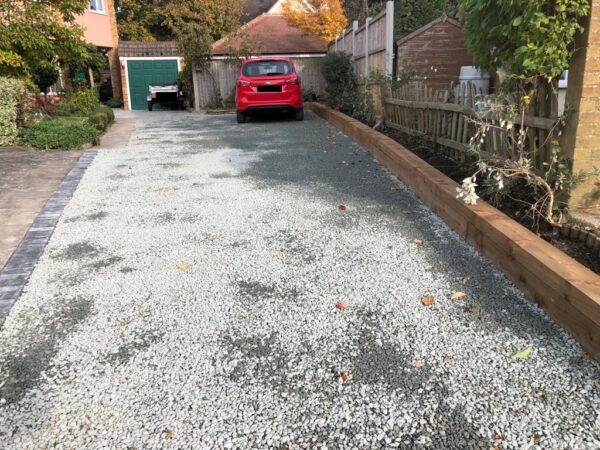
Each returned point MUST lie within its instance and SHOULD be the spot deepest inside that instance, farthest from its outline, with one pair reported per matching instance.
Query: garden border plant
(14, 109)
(529, 43)
(77, 121)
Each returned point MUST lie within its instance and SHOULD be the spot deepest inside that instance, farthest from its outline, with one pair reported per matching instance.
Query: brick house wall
(434, 53)
(581, 136)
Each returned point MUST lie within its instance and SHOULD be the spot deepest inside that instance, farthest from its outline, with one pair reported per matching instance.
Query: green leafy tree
(136, 20)
(195, 26)
(39, 32)
(160, 19)
(45, 75)
(409, 15)
(525, 38)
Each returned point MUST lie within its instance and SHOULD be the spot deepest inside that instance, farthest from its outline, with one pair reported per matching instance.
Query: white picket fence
(371, 45)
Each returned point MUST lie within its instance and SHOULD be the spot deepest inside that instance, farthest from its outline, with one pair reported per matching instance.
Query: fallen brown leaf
(441, 263)
(472, 308)
(428, 300)
(418, 364)
(457, 295)
(183, 266)
(536, 440)
(519, 411)
(341, 306)
(342, 207)
(418, 241)
(169, 434)
(448, 359)
(498, 438)
(344, 377)
(585, 356)
(466, 280)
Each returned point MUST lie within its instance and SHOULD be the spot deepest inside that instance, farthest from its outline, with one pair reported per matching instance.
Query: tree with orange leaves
(323, 18)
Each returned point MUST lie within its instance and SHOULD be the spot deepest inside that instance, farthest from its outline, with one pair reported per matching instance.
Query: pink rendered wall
(97, 28)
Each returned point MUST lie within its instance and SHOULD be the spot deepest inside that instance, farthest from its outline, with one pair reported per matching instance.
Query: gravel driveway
(188, 300)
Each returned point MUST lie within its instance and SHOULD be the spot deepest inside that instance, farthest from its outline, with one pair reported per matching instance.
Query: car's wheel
(150, 106)
(300, 114)
(241, 117)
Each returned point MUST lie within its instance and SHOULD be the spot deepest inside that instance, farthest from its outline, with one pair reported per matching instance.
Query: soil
(458, 171)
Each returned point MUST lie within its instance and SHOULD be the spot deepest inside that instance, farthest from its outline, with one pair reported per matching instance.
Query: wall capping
(565, 289)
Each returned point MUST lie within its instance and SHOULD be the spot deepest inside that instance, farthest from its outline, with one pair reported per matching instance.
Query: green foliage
(160, 19)
(66, 133)
(338, 72)
(11, 64)
(102, 118)
(13, 109)
(308, 94)
(44, 75)
(84, 102)
(362, 105)
(525, 38)
(343, 91)
(114, 103)
(41, 31)
(410, 15)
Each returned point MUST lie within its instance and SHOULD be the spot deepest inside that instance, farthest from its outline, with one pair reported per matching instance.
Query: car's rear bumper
(248, 103)
(276, 107)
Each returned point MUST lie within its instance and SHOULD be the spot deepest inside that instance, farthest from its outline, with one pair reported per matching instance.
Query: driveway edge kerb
(568, 291)
(20, 265)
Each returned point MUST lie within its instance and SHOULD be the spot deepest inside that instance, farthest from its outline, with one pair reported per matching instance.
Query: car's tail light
(243, 83)
(293, 81)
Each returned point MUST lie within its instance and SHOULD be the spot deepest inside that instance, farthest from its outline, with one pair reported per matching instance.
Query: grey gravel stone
(112, 345)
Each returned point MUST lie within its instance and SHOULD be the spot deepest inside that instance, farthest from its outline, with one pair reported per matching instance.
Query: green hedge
(66, 133)
(102, 118)
(13, 105)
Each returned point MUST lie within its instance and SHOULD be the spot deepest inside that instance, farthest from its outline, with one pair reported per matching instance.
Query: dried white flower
(467, 191)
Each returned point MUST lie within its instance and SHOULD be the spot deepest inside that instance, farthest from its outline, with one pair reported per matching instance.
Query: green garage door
(143, 73)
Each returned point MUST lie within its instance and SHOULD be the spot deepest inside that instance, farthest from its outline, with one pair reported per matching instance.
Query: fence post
(367, 46)
(354, 28)
(389, 38)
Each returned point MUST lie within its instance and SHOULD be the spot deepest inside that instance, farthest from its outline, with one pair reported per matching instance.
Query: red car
(268, 84)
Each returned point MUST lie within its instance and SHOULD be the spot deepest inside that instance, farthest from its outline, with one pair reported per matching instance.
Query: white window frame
(101, 9)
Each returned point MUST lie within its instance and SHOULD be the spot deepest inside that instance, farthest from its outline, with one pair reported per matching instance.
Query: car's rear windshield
(267, 68)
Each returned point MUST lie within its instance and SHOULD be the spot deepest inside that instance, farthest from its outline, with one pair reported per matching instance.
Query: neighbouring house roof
(131, 49)
(254, 8)
(443, 19)
(272, 35)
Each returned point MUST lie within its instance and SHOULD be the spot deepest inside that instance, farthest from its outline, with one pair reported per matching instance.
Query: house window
(97, 5)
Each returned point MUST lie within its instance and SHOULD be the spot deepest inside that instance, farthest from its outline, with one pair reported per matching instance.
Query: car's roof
(267, 58)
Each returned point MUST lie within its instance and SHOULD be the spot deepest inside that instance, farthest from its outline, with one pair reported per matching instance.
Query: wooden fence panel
(370, 45)
(449, 118)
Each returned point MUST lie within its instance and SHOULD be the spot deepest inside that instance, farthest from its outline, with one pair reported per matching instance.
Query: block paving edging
(564, 288)
(20, 265)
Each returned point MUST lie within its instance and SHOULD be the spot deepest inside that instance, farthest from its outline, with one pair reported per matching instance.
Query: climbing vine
(524, 38)
(529, 43)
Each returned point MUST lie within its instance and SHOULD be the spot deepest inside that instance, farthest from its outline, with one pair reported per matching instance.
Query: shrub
(67, 133)
(102, 118)
(338, 72)
(526, 38)
(114, 103)
(85, 101)
(13, 109)
(309, 95)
